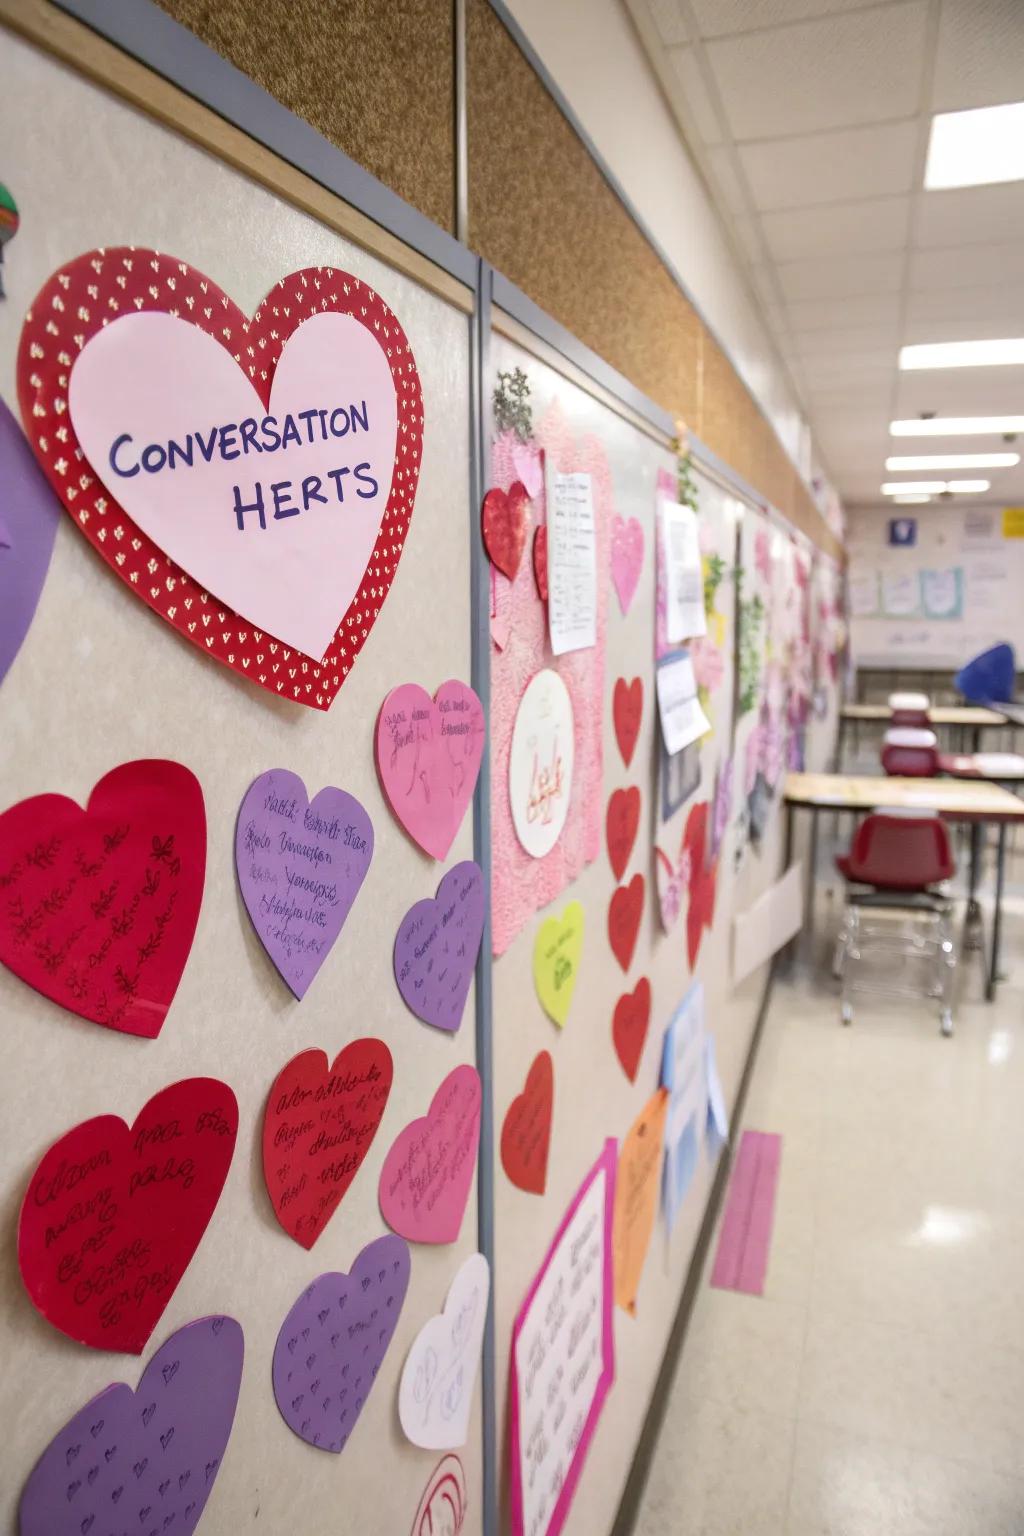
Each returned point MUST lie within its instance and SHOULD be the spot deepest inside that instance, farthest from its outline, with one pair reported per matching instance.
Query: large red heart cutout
(629, 1026)
(318, 1125)
(503, 522)
(99, 907)
(624, 914)
(103, 285)
(621, 822)
(114, 1213)
(540, 561)
(526, 1131)
(627, 712)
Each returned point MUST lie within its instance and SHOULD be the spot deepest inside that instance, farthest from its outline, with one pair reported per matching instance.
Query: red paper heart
(621, 823)
(540, 561)
(318, 1126)
(624, 914)
(504, 519)
(96, 288)
(627, 711)
(100, 906)
(114, 1213)
(526, 1132)
(629, 1026)
(702, 879)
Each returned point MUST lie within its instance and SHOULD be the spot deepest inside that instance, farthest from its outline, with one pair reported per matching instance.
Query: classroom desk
(971, 717)
(956, 799)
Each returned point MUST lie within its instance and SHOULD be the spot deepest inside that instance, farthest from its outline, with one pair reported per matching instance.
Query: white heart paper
(435, 1395)
(282, 534)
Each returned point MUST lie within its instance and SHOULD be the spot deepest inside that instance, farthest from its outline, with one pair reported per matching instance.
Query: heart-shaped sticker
(160, 1447)
(428, 759)
(113, 1213)
(436, 947)
(627, 559)
(300, 865)
(504, 521)
(621, 823)
(100, 906)
(333, 1342)
(426, 1177)
(624, 914)
(556, 961)
(435, 1394)
(318, 1126)
(310, 408)
(29, 513)
(627, 712)
(526, 1132)
(629, 1026)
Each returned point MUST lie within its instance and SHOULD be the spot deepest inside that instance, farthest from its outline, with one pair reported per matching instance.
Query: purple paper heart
(333, 1341)
(300, 866)
(29, 514)
(157, 1448)
(436, 947)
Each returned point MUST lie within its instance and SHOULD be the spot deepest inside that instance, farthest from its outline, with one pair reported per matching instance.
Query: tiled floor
(877, 1389)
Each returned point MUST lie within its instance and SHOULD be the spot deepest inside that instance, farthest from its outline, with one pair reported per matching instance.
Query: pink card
(428, 759)
(426, 1177)
(561, 1371)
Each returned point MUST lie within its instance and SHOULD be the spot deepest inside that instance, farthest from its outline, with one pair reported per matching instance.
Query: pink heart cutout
(292, 566)
(627, 558)
(529, 467)
(428, 759)
(425, 1180)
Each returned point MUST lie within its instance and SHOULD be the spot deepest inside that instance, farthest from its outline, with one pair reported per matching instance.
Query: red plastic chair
(910, 762)
(910, 709)
(896, 853)
(918, 718)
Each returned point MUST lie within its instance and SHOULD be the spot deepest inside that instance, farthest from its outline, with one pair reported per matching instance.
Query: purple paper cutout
(436, 947)
(29, 514)
(300, 866)
(333, 1341)
(143, 1461)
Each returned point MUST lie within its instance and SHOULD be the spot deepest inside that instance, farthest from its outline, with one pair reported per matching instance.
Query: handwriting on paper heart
(435, 1394)
(636, 1197)
(113, 1213)
(505, 517)
(526, 1132)
(540, 763)
(627, 712)
(160, 1447)
(318, 1126)
(556, 961)
(624, 914)
(425, 1180)
(442, 1509)
(262, 422)
(627, 559)
(428, 759)
(540, 561)
(622, 820)
(100, 906)
(333, 1342)
(629, 1026)
(436, 947)
(300, 865)
(29, 513)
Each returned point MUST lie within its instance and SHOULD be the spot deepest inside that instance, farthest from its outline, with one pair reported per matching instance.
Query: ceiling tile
(722, 167)
(839, 166)
(836, 276)
(877, 224)
(668, 21)
(989, 308)
(962, 392)
(979, 59)
(941, 327)
(863, 67)
(971, 215)
(695, 104)
(866, 309)
(849, 342)
(968, 266)
(721, 18)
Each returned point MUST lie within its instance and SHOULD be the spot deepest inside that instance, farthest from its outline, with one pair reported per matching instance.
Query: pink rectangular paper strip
(745, 1237)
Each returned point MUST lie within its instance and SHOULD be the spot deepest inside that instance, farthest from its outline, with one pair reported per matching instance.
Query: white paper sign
(682, 719)
(436, 1391)
(901, 594)
(684, 576)
(540, 763)
(864, 595)
(572, 563)
(682, 1064)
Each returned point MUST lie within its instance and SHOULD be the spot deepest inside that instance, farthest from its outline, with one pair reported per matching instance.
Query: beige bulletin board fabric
(100, 681)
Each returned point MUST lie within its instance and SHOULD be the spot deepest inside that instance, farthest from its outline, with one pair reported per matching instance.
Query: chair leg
(947, 960)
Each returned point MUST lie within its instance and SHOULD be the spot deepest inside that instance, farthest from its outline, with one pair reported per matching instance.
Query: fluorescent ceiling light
(933, 487)
(953, 461)
(963, 354)
(976, 148)
(910, 501)
(956, 426)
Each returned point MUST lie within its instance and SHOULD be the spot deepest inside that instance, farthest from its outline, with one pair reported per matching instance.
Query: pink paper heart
(293, 564)
(627, 558)
(500, 631)
(425, 1180)
(428, 759)
(529, 467)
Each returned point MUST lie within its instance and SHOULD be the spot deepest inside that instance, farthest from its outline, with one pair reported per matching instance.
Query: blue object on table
(990, 677)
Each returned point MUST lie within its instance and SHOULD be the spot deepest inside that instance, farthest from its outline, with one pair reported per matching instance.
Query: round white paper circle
(540, 763)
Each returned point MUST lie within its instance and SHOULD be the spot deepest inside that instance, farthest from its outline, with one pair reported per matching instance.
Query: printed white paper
(682, 719)
(684, 576)
(572, 563)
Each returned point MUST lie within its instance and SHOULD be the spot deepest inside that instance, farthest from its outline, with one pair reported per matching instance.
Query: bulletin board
(101, 680)
(935, 591)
